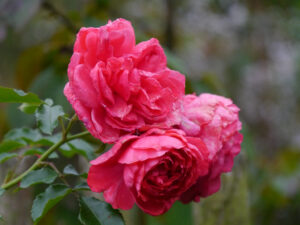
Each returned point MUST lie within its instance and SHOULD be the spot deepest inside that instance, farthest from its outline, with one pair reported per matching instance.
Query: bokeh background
(247, 50)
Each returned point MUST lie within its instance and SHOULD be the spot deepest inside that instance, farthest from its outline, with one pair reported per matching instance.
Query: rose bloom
(215, 120)
(151, 170)
(116, 86)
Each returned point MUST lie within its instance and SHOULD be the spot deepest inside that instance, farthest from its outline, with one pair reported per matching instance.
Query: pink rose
(151, 170)
(215, 120)
(116, 87)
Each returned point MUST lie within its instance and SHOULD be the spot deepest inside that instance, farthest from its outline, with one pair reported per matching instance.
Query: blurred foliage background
(248, 50)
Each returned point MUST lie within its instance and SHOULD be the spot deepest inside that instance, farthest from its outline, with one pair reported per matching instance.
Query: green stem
(75, 136)
(61, 176)
(66, 131)
(34, 166)
(60, 119)
(43, 156)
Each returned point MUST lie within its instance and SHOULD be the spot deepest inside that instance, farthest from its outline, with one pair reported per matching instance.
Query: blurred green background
(248, 50)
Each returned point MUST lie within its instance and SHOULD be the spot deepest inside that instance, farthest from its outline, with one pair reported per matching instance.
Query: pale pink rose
(117, 87)
(151, 170)
(215, 120)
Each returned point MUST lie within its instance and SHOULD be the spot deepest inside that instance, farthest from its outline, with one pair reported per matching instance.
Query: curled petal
(150, 56)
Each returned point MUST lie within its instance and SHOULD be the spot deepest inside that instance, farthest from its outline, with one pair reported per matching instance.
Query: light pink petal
(119, 196)
(82, 111)
(120, 108)
(103, 86)
(75, 60)
(80, 44)
(149, 147)
(122, 88)
(173, 80)
(121, 36)
(190, 127)
(83, 87)
(114, 152)
(102, 130)
(150, 56)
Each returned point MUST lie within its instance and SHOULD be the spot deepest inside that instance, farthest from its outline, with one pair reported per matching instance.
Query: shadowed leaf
(47, 116)
(46, 200)
(6, 156)
(44, 175)
(9, 145)
(70, 170)
(96, 212)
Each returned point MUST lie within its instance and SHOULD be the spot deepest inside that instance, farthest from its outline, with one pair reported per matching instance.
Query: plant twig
(76, 136)
(73, 119)
(60, 119)
(61, 176)
(34, 166)
(54, 147)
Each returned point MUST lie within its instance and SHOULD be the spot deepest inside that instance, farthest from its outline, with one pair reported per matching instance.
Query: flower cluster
(167, 146)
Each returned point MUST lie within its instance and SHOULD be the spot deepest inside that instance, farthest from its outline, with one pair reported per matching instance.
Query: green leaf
(82, 187)
(179, 214)
(47, 116)
(23, 134)
(10, 145)
(84, 175)
(96, 212)
(34, 151)
(46, 200)
(29, 108)
(44, 175)
(17, 96)
(49, 101)
(30, 136)
(53, 155)
(78, 146)
(6, 156)
(40, 151)
(1, 191)
(70, 170)
(49, 140)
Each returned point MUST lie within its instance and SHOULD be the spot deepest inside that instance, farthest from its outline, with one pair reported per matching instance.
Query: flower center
(164, 179)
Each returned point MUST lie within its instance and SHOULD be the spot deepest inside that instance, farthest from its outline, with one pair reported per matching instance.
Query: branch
(79, 135)
(34, 166)
(64, 139)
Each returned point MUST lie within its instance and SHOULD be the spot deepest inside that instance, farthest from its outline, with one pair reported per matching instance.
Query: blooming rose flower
(151, 170)
(116, 87)
(215, 120)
